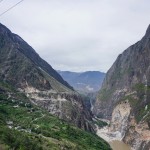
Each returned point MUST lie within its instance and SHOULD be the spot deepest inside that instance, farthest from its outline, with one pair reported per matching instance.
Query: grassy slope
(33, 128)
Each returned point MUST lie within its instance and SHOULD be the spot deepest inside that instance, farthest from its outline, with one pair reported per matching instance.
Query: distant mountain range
(89, 81)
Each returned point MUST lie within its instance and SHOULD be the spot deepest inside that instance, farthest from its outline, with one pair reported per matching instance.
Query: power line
(10, 7)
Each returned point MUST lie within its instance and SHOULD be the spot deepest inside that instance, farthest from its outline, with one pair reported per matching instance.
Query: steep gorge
(125, 95)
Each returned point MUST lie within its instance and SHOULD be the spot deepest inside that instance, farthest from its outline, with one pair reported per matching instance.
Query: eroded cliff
(128, 81)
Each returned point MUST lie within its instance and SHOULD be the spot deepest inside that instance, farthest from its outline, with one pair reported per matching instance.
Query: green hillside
(24, 126)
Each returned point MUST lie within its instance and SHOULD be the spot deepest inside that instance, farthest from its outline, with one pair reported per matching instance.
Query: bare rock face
(119, 121)
(137, 135)
(66, 106)
(27, 72)
(128, 80)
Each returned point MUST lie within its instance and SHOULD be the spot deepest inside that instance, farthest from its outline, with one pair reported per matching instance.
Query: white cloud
(78, 35)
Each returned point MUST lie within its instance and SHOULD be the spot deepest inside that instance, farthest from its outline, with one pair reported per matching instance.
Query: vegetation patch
(100, 123)
(105, 94)
(27, 127)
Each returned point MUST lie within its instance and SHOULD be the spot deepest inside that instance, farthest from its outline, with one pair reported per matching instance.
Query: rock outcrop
(128, 80)
(118, 126)
(67, 106)
(137, 135)
(119, 122)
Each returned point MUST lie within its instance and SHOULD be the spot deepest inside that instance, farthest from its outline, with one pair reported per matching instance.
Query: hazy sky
(78, 35)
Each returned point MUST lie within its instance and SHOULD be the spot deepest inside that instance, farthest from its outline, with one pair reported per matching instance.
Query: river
(113, 138)
(119, 145)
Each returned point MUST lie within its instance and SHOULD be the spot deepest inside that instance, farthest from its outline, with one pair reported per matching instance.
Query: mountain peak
(148, 31)
(25, 49)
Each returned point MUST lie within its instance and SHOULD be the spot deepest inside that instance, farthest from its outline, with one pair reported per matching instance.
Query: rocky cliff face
(137, 134)
(120, 116)
(67, 106)
(128, 80)
(23, 68)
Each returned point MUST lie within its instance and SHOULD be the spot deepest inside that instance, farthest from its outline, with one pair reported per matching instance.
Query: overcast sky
(78, 35)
